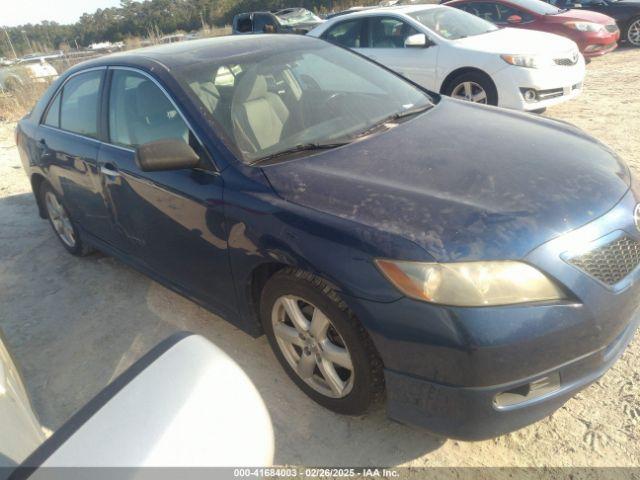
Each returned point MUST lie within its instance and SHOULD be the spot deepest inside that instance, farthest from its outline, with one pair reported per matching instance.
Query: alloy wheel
(470, 91)
(312, 346)
(60, 220)
(633, 34)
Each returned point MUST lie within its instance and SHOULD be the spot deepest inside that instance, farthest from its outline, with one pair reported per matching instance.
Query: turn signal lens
(470, 284)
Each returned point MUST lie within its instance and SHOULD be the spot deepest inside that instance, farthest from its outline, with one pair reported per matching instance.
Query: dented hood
(465, 182)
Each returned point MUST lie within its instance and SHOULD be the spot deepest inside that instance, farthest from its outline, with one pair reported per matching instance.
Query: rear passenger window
(53, 115)
(139, 112)
(79, 104)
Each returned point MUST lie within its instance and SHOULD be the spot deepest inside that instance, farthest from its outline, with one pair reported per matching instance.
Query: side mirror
(160, 155)
(418, 40)
(514, 19)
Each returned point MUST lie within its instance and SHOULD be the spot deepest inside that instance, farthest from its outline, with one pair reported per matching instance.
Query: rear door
(68, 146)
(173, 221)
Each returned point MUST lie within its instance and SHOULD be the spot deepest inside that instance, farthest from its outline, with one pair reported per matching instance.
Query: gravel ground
(74, 324)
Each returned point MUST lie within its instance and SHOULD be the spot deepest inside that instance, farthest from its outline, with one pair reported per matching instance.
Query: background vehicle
(594, 33)
(457, 54)
(25, 71)
(136, 421)
(625, 12)
(460, 282)
(290, 20)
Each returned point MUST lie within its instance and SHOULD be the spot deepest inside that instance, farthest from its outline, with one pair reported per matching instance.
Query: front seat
(258, 116)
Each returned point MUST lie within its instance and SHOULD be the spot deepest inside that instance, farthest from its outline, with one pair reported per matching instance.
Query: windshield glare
(451, 23)
(264, 104)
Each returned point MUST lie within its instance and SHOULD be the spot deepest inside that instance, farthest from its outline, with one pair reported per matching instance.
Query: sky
(19, 12)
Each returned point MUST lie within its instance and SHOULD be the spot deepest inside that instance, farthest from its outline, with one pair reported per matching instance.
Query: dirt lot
(74, 324)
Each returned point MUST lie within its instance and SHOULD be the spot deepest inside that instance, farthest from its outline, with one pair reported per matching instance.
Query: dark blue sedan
(473, 265)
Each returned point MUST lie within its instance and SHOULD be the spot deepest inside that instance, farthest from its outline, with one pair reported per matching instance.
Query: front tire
(473, 87)
(63, 225)
(319, 342)
(633, 32)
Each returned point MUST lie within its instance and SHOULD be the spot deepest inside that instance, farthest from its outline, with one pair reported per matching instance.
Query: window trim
(104, 114)
(59, 90)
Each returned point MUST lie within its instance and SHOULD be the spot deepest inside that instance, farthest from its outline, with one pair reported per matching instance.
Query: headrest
(252, 86)
(150, 101)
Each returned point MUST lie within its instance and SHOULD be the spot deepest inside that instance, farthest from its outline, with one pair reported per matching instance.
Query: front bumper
(475, 414)
(594, 44)
(554, 84)
(459, 371)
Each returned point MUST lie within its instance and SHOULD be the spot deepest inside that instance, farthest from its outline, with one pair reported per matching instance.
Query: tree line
(135, 19)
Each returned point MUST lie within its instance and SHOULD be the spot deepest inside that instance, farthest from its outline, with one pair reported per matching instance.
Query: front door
(172, 220)
(385, 45)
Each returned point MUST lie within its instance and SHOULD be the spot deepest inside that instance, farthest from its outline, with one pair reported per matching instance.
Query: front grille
(612, 28)
(612, 262)
(566, 62)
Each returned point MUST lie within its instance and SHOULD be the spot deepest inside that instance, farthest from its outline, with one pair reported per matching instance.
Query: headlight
(528, 61)
(470, 284)
(584, 26)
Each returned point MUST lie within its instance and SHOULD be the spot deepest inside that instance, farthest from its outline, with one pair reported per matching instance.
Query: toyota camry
(474, 275)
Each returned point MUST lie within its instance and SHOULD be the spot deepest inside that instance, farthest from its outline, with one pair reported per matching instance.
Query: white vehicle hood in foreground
(514, 41)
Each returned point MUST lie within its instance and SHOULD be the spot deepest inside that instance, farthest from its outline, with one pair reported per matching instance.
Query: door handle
(109, 169)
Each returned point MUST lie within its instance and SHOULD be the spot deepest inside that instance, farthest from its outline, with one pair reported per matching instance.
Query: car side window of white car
(346, 34)
(389, 32)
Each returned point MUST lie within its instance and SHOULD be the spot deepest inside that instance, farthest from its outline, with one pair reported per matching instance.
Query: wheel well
(259, 278)
(460, 71)
(36, 183)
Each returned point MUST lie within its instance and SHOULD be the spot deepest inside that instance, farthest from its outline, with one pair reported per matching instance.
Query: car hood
(585, 15)
(463, 181)
(516, 41)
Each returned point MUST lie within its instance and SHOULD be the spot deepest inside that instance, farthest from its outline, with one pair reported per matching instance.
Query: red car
(595, 33)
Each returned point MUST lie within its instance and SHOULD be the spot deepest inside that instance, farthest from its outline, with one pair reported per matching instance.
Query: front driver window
(139, 112)
(346, 34)
(388, 32)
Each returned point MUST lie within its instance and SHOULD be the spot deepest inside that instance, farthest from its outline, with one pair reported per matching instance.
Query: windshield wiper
(409, 112)
(306, 147)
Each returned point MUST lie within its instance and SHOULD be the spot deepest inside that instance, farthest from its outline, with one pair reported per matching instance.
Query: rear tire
(475, 87)
(342, 352)
(60, 220)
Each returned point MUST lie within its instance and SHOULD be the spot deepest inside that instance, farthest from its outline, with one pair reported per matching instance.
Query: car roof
(396, 9)
(173, 55)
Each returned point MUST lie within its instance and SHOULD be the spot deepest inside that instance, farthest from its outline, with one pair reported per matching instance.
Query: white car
(25, 71)
(455, 53)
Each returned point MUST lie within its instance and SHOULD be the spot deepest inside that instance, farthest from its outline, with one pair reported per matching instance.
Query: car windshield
(538, 6)
(297, 99)
(451, 23)
(296, 17)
